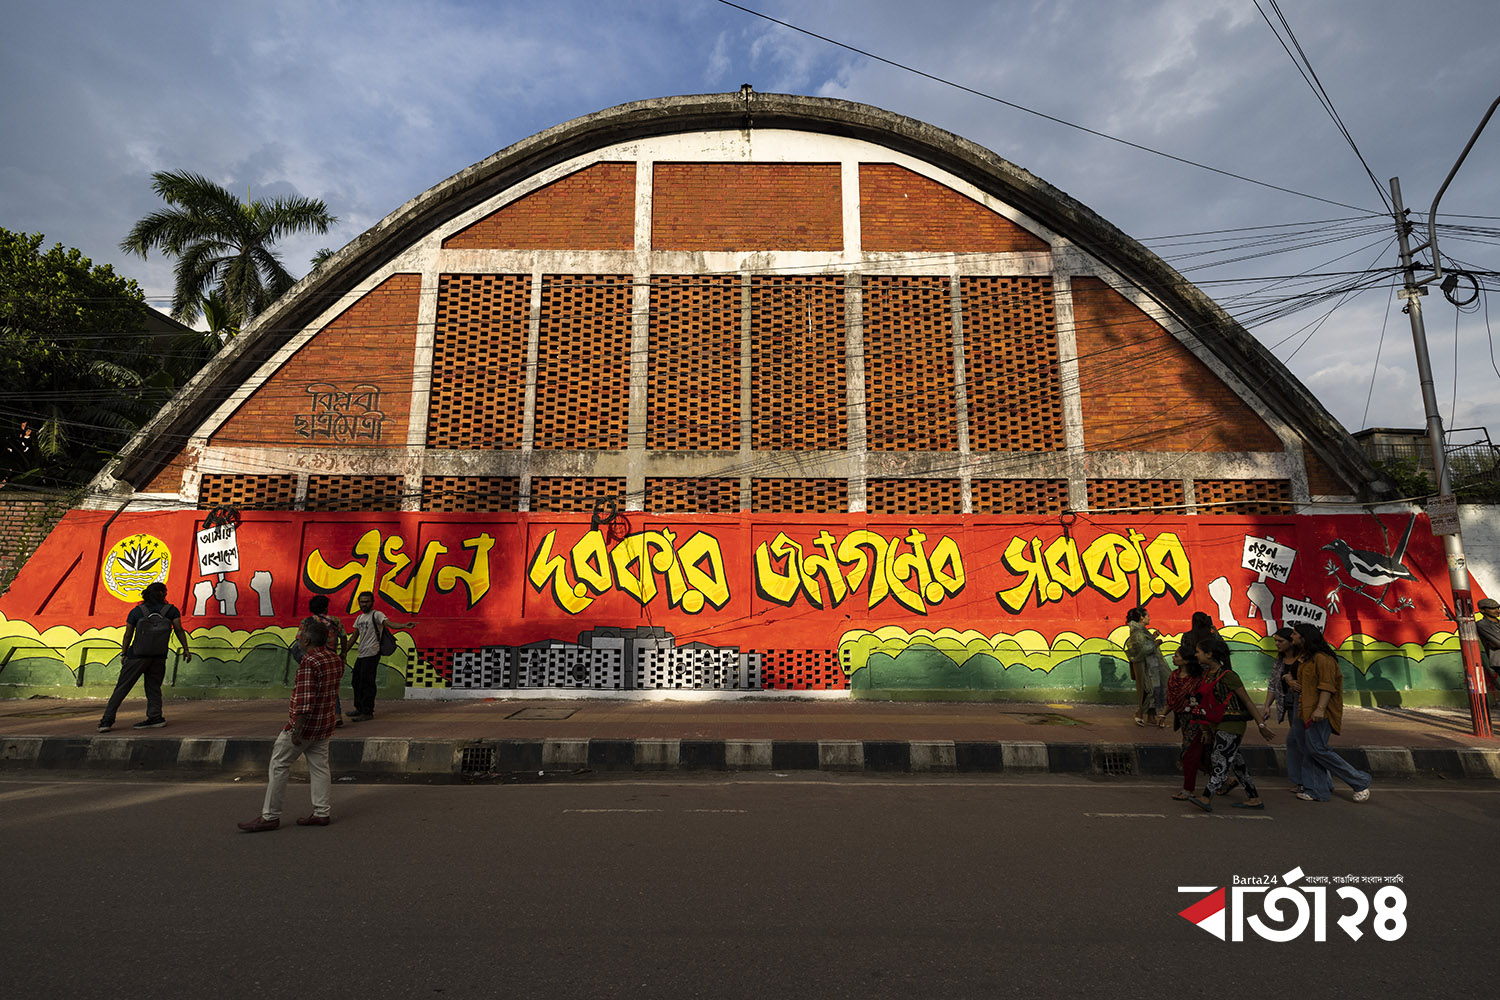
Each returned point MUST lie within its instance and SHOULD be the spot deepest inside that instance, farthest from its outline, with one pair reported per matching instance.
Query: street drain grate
(476, 760)
(1116, 762)
(543, 714)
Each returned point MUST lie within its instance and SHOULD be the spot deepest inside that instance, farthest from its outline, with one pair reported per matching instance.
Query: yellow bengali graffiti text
(637, 564)
(375, 551)
(1118, 566)
(828, 572)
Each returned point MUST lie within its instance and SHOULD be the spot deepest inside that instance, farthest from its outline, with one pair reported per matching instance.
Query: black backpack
(152, 632)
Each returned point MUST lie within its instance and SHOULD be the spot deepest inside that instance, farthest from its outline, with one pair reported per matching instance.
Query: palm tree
(222, 243)
(223, 324)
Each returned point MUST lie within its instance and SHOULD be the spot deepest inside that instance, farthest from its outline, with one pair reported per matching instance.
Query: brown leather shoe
(259, 825)
(314, 820)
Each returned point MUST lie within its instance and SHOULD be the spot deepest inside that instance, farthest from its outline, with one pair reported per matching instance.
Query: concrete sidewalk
(430, 740)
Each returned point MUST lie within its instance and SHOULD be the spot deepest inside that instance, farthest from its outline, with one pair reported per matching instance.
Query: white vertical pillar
(854, 389)
(421, 385)
(528, 414)
(960, 394)
(640, 340)
(1069, 382)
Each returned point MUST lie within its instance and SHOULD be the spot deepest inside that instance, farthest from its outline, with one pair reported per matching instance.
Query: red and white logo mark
(1208, 912)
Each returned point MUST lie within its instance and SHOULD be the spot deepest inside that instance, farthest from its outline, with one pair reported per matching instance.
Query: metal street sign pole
(1453, 545)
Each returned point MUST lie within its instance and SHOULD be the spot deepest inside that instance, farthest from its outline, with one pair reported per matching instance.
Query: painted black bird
(1374, 569)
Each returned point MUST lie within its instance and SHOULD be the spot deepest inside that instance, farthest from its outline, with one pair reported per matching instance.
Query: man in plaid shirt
(313, 715)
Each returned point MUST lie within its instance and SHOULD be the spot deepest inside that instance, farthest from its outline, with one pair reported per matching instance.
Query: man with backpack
(373, 640)
(148, 630)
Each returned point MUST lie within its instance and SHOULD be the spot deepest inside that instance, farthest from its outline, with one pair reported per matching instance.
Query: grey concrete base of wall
(480, 760)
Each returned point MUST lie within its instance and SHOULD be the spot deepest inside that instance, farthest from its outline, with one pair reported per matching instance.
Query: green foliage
(222, 243)
(81, 367)
(223, 320)
(1410, 480)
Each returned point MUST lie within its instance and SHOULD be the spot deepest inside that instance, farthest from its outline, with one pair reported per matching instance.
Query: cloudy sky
(367, 104)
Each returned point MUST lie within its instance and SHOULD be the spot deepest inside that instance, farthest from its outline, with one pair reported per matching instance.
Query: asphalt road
(726, 886)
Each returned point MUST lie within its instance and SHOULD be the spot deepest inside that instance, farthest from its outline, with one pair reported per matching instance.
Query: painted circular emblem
(134, 563)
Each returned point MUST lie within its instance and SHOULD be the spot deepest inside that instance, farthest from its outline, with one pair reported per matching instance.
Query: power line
(1310, 76)
(1032, 111)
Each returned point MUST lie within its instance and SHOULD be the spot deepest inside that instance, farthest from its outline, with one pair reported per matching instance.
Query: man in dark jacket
(148, 630)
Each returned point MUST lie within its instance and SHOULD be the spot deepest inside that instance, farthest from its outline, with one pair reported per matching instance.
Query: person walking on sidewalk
(1193, 704)
(1489, 637)
(1281, 691)
(306, 734)
(1149, 670)
(1320, 711)
(338, 641)
(148, 631)
(1226, 763)
(369, 628)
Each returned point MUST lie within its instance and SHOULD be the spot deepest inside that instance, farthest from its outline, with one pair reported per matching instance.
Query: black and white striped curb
(433, 760)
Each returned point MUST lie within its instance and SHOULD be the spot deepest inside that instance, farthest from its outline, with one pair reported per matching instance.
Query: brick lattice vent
(479, 361)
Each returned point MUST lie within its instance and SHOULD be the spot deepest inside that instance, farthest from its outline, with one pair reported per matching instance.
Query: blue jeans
(1312, 765)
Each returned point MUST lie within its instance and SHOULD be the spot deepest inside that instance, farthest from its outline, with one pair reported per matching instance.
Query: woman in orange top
(1320, 688)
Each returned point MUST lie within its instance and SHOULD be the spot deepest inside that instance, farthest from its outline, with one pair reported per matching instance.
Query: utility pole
(1453, 545)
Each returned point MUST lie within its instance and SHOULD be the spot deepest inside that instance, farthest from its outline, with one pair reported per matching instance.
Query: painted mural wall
(884, 606)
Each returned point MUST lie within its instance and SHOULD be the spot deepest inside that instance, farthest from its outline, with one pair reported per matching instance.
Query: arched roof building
(749, 391)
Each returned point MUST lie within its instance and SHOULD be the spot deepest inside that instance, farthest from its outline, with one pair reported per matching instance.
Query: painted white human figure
(1263, 602)
(1222, 595)
(228, 595)
(261, 584)
(225, 591)
(202, 591)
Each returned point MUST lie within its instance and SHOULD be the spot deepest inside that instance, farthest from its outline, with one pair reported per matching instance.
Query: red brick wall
(799, 496)
(1322, 480)
(248, 492)
(1243, 496)
(747, 206)
(914, 496)
(1144, 391)
(25, 522)
(471, 493)
(576, 493)
(693, 494)
(359, 493)
(368, 344)
(592, 209)
(1018, 496)
(1122, 494)
(902, 210)
(169, 478)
